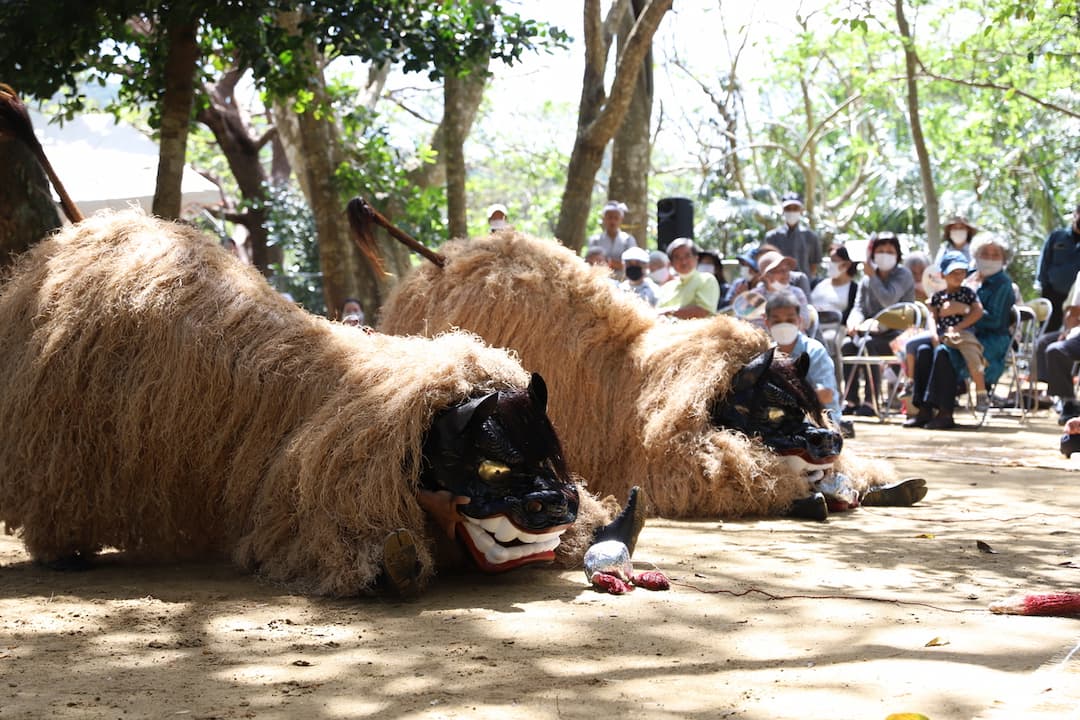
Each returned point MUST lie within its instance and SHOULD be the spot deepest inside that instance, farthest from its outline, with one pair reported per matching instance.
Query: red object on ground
(1061, 604)
(611, 584)
(652, 580)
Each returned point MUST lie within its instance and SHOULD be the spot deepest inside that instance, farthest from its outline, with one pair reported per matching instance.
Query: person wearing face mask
(497, 217)
(794, 239)
(635, 262)
(747, 278)
(784, 324)
(836, 293)
(886, 282)
(958, 233)
(659, 267)
(776, 270)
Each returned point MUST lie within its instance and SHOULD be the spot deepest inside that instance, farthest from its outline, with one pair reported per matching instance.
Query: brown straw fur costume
(630, 394)
(163, 399)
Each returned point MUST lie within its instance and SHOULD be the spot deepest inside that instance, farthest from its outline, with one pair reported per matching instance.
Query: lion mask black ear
(453, 421)
(802, 365)
(750, 374)
(538, 392)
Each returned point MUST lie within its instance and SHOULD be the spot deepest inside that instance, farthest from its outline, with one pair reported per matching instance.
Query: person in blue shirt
(1058, 265)
(783, 321)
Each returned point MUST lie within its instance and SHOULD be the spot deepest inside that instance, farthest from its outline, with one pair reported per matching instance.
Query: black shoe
(401, 568)
(813, 507)
(1069, 410)
(847, 429)
(1070, 444)
(919, 420)
(941, 422)
(902, 494)
(865, 410)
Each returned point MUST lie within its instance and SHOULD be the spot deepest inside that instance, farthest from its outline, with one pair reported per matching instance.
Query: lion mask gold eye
(490, 470)
(776, 414)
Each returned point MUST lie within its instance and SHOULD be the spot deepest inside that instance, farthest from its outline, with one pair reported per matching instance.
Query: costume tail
(361, 215)
(15, 124)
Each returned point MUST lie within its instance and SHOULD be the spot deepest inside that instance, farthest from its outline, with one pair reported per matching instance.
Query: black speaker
(674, 219)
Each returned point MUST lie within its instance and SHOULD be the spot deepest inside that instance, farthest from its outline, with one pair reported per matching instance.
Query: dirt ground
(877, 611)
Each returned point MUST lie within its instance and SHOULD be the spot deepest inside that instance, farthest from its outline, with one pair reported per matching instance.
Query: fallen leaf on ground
(936, 642)
(926, 536)
(983, 547)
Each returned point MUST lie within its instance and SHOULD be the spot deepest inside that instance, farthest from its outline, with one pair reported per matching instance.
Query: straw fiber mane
(632, 395)
(161, 398)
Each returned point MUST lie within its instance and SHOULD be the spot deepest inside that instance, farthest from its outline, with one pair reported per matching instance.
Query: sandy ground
(877, 611)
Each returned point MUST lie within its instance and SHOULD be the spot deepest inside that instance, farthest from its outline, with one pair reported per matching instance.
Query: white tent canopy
(105, 164)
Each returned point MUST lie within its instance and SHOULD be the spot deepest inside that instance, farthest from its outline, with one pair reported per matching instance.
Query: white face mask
(834, 270)
(987, 268)
(498, 224)
(660, 276)
(884, 261)
(707, 268)
(784, 333)
(778, 286)
(744, 272)
(958, 236)
(792, 218)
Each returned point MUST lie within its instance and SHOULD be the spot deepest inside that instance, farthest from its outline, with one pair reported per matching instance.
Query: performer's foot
(627, 525)
(920, 419)
(902, 494)
(401, 568)
(813, 507)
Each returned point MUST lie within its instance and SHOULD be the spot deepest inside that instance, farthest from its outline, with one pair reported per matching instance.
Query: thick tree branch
(925, 72)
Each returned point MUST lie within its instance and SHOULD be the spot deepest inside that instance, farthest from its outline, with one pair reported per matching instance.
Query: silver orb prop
(610, 557)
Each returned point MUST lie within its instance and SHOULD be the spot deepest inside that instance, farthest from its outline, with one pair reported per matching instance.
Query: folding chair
(1019, 369)
(900, 316)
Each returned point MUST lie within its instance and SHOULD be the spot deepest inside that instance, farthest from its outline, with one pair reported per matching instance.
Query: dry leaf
(907, 716)
(936, 642)
(926, 536)
(983, 547)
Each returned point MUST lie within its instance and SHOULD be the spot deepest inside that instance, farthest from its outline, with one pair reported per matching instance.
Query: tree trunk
(454, 154)
(176, 104)
(230, 128)
(600, 115)
(27, 212)
(930, 199)
(631, 152)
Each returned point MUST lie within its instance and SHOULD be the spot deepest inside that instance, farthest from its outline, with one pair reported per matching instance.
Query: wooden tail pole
(15, 124)
(361, 214)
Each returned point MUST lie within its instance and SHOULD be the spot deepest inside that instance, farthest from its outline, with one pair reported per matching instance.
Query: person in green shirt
(692, 294)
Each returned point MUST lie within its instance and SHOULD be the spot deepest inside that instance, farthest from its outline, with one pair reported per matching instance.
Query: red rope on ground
(865, 598)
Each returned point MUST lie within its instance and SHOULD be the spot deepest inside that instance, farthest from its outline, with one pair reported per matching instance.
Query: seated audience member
(709, 262)
(749, 276)
(596, 256)
(659, 267)
(776, 272)
(611, 238)
(635, 262)
(885, 282)
(797, 278)
(497, 217)
(958, 233)
(956, 309)
(938, 368)
(783, 321)
(692, 294)
(917, 262)
(836, 293)
(1055, 353)
(352, 306)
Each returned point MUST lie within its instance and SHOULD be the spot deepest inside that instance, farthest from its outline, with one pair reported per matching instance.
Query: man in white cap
(795, 240)
(497, 217)
(636, 267)
(693, 294)
(611, 238)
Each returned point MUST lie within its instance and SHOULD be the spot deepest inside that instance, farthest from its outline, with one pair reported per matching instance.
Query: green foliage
(291, 226)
